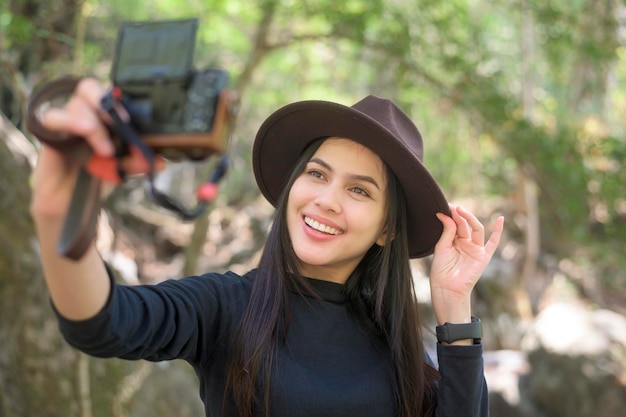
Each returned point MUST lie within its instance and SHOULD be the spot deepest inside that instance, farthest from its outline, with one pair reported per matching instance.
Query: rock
(572, 329)
(503, 371)
(578, 362)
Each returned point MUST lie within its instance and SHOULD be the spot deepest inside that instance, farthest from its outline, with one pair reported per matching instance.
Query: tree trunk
(526, 183)
(260, 49)
(36, 366)
(40, 374)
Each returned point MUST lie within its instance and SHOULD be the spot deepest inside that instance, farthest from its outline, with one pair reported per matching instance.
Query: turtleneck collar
(327, 290)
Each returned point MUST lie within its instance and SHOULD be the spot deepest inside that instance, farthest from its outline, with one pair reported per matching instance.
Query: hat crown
(389, 116)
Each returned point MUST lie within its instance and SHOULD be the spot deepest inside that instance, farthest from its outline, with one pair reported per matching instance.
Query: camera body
(179, 112)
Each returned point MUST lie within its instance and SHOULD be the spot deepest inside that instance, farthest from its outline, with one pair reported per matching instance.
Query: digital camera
(178, 111)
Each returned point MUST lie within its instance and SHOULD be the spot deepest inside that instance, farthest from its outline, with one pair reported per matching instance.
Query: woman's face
(337, 209)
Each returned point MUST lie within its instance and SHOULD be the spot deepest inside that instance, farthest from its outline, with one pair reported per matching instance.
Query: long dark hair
(382, 284)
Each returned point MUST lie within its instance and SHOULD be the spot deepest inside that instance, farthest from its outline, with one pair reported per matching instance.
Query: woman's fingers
(462, 224)
(462, 228)
(494, 239)
(81, 116)
(449, 231)
(473, 229)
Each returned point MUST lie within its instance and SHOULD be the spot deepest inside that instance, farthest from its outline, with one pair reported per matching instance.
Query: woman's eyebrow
(357, 177)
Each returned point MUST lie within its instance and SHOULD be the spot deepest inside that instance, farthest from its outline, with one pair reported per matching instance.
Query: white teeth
(321, 227)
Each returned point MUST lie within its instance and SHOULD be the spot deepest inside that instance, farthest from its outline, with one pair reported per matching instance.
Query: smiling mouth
(314, 224)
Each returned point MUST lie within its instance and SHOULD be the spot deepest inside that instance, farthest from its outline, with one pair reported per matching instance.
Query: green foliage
(18, 30)
(458, 67)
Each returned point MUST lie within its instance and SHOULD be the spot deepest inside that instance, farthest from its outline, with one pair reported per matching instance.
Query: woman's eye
(315, 173)
(360, 191)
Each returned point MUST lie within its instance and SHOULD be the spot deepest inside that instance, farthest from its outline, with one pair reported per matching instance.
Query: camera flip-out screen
(160, 51)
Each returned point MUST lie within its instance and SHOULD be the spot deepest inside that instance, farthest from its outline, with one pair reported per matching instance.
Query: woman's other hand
(461, 255)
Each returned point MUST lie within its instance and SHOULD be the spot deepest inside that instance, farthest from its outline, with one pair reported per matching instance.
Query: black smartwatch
(448, 332)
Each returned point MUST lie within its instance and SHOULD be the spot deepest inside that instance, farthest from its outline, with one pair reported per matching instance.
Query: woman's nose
(329, 198)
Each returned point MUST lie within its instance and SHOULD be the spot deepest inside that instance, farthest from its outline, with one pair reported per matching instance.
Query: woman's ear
(385, 237)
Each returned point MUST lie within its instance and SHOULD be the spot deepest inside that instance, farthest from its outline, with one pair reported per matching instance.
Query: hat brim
(287, 132)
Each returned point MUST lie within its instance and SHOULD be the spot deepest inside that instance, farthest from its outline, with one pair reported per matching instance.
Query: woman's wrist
(455, 310)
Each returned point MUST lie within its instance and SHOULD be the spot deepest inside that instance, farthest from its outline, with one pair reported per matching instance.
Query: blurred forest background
(521, 105)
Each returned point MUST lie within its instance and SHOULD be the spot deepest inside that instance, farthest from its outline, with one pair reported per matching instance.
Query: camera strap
(123, 130)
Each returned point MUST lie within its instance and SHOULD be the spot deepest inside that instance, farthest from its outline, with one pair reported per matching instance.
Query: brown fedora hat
(374, 122)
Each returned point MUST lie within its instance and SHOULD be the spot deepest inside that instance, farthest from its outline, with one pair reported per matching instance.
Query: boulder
(577, 357)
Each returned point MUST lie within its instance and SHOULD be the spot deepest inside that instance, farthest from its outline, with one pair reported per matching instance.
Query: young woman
(328, 323)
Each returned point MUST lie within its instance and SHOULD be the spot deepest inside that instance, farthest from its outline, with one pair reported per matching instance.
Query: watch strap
(449, 332)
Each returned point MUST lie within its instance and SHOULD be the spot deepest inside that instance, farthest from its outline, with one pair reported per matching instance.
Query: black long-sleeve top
(331, 364)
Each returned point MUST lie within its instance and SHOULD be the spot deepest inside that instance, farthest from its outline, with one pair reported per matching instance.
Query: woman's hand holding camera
(56, 172)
